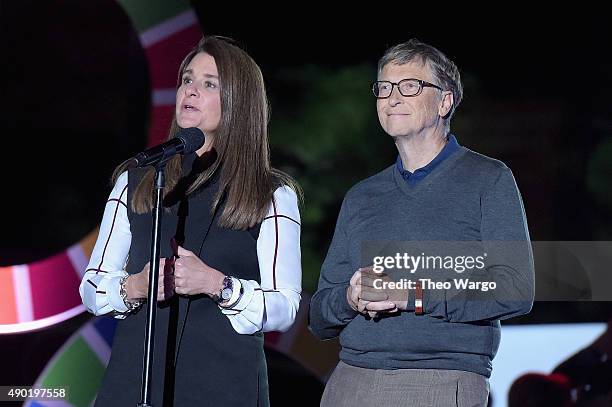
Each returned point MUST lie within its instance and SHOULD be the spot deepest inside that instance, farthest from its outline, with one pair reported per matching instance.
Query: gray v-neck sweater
(467, 197)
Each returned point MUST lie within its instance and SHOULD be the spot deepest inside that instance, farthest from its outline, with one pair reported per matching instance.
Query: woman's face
(198, 100)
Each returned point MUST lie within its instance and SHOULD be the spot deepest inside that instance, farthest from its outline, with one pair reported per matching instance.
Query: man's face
(405, 116)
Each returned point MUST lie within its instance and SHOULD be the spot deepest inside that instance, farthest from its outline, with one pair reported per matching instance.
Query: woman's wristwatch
(230, 293)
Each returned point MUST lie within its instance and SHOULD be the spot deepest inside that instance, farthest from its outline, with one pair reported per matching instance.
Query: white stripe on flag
(23, 293)
(96, 343)
(41, 323)
(78, 259)
(167, 28)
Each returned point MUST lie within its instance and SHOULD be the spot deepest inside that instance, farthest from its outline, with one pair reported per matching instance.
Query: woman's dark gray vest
(200, 360)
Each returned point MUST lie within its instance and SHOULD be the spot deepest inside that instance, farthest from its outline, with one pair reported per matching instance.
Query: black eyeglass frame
(422, 84)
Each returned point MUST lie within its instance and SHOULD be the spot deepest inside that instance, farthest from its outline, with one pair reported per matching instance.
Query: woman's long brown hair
(247, 181)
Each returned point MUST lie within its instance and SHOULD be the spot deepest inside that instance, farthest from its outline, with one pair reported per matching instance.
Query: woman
(238, 269)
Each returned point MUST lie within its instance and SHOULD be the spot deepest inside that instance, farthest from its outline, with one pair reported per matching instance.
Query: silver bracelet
(132, 305)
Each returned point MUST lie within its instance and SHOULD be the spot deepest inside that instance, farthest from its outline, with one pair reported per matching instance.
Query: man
(429, 346)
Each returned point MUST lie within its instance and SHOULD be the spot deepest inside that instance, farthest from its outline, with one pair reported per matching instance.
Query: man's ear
(446, 104)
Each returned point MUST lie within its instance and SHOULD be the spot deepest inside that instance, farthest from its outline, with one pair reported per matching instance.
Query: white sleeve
(99, 287)
(273, 304)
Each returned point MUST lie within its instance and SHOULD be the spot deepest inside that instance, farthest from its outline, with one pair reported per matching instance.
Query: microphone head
(192, 137)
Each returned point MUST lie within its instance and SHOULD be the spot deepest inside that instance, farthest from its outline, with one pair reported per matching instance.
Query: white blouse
(269, 306)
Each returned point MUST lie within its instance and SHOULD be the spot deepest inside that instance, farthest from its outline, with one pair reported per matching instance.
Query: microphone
(186, 141)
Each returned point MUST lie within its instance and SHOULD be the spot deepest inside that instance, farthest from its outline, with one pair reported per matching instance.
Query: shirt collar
(449, 149)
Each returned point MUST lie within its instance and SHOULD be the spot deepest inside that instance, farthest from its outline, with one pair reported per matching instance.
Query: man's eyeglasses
(406, 87)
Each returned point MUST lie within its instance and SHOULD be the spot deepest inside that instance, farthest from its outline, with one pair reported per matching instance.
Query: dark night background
(537, 93)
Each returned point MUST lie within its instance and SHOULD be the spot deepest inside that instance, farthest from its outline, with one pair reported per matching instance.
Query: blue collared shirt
(412, 178)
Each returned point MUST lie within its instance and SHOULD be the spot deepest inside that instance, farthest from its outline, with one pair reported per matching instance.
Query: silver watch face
(226, 294)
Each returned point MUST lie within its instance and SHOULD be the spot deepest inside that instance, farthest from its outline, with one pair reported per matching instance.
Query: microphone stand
(149, 342)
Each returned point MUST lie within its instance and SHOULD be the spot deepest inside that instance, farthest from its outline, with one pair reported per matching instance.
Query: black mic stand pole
(149, 342)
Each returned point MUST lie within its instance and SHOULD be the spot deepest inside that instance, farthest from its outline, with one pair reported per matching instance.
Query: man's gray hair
(445, 72)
